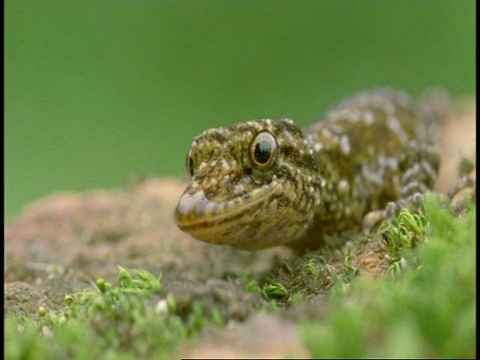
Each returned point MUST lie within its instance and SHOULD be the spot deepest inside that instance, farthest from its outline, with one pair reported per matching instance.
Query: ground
(59, 245)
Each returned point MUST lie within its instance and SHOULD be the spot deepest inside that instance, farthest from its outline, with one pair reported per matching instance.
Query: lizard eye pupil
(190, 164)
(263, 150)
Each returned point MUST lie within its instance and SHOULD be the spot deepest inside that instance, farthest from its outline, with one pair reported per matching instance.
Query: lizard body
(264, 183)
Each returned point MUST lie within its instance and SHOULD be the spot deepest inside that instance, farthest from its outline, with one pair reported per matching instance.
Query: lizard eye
(189, 164)
(263, 150)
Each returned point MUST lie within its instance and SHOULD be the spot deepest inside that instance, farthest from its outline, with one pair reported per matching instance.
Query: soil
(60, 244)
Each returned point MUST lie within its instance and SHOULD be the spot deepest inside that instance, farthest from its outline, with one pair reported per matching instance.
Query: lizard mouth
(212, 221)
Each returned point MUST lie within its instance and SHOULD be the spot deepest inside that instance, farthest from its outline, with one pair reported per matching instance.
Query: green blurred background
(99, 91)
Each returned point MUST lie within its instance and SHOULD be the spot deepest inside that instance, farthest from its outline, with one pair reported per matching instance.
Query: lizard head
(253, 186)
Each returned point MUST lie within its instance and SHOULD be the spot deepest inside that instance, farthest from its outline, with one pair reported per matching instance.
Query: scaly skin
(264, 183)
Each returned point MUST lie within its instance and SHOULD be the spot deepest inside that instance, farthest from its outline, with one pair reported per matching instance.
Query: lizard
(264, 183)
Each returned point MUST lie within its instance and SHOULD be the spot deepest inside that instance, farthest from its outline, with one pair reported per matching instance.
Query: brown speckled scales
(264, 183)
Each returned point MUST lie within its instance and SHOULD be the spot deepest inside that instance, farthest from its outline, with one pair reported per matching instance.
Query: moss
(126, 319)
(426, 310)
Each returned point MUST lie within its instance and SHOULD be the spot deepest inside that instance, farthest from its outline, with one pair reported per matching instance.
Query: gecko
(263, 183)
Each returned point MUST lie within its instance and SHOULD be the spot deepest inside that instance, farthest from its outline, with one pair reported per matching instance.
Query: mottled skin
(264, 183)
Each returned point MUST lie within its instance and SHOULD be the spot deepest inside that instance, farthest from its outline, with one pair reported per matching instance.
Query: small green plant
(402, 233)
(312, 268)
(275, 291)
(348, 264)
(406, 230)
(252, 286)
